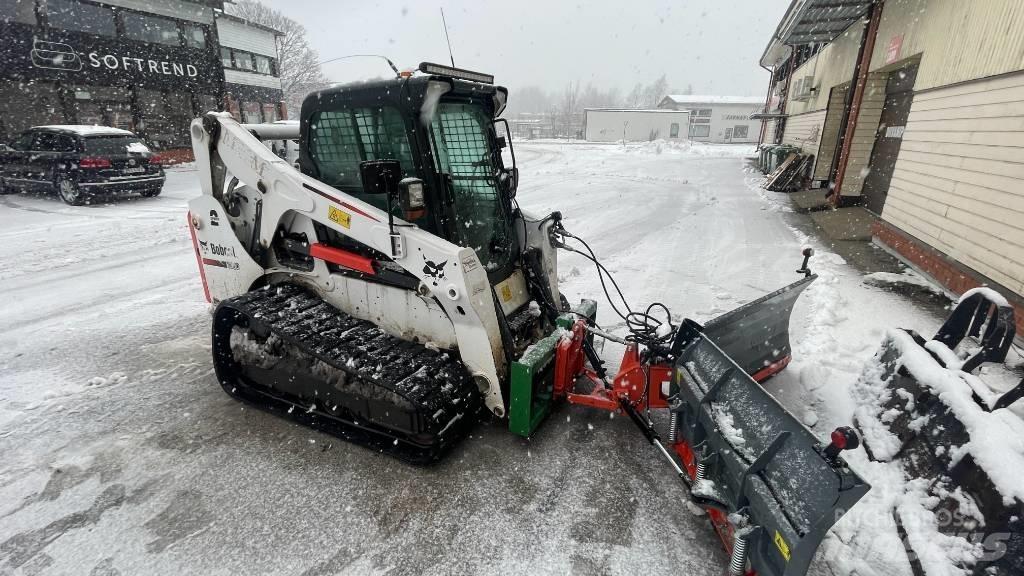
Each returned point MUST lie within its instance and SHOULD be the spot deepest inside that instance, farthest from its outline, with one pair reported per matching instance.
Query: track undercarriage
(285, 350)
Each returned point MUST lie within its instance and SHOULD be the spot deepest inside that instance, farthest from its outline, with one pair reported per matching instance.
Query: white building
(720, 119)
(615, 124)
(252, 83)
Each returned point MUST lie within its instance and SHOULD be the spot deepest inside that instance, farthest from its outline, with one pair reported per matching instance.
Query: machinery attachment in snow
(925, 404)
(770, 487)
(756, 335)
(772, 490)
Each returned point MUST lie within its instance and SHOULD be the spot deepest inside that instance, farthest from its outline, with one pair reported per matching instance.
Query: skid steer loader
(391, 291)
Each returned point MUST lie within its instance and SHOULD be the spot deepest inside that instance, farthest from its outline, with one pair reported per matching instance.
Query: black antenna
(447, 39)
(385, 58)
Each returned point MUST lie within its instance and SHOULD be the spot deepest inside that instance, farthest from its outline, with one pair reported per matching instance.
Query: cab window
(341, 139)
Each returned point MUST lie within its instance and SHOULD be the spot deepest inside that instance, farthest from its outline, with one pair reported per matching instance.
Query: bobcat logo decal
(435, 271)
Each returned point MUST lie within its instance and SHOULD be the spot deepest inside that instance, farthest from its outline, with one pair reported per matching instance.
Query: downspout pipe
(767, 101)
(852, 112)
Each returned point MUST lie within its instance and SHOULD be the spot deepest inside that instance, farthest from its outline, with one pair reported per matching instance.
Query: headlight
(412, 195)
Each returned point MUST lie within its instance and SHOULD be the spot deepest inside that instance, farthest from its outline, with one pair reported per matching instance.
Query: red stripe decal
(199, 258)
(212, 262)
(339, 202)
(357, 211)
(342, 258)
(324, 194)
(771, 369)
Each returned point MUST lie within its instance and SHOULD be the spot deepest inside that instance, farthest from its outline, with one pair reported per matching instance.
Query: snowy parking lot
(121, 455)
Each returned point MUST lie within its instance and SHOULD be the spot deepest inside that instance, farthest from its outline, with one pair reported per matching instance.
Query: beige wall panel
(959, 181)
(959, 40)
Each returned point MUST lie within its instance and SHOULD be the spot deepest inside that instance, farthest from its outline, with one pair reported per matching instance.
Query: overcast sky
(712, 45)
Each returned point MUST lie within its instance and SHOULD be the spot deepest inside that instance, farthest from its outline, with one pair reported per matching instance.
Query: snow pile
(907, 277)
(659, 146)
(686, 147)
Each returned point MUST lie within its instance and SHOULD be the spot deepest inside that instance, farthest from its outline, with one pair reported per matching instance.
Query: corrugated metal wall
(237, 35)
(958, 184)
(804, 131)
(960, 40)
(251, 79)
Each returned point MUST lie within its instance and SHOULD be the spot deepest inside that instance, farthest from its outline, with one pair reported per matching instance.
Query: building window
(270, 113)
(153, 29)
(701, 113)
(194, 36)
(243, 60)
(251, 113)
(262, 64)
(18, 11)
(673, 131)
(739, 131)
(700, 130)
(79, 17)
(206, 103)
(225, 58)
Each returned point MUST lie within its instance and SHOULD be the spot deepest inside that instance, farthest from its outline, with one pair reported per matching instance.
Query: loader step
(287, 351)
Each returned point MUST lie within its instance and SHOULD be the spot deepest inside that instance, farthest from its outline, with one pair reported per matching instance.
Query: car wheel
(152, 192)
(69, 192)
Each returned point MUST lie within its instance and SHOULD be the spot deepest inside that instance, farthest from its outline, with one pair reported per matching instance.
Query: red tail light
(156, 159)
(90, 162)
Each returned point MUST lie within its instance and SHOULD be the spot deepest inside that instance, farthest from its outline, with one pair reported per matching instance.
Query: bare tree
(653, 93)
(569, 106)
(298, 64)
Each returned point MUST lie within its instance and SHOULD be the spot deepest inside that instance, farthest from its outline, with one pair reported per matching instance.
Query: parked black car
(79, 162)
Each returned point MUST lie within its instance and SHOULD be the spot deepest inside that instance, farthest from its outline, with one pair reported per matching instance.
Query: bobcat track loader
(390, 291)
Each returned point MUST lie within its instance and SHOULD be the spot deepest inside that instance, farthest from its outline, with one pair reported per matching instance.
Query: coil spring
(738, 562)
(673, 425)
(701, 471)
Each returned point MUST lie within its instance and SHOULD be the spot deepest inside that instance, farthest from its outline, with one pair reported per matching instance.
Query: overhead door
(899, 94)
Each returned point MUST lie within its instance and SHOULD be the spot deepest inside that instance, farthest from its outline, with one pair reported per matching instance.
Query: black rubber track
(398, 397)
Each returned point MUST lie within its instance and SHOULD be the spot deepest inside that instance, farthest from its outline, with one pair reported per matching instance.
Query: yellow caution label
(780, 543)
(343, 218)
(506, 293)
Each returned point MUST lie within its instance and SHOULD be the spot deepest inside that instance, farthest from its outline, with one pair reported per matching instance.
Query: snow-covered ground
(121, 453)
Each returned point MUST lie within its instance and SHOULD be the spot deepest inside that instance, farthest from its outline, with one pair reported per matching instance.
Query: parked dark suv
(79, 162)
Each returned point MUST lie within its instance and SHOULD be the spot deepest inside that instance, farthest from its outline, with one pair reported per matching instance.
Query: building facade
(720, 119)
(248, 54)
(915, 110)
(142, 65)
(615, 125)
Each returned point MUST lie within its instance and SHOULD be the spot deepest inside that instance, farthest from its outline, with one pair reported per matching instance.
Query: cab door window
(460, 134)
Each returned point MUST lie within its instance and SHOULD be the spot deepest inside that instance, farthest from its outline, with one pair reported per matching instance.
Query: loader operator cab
(441, 130)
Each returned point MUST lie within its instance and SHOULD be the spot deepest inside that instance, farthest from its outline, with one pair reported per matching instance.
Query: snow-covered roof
(697, 99)
(88, 130)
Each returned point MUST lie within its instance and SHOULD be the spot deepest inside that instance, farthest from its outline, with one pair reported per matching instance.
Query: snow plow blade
(771, 489)
(925, 406)
(756, 335)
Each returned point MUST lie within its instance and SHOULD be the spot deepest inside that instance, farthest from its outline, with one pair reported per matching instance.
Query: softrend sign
(164, 67)
(60, 56)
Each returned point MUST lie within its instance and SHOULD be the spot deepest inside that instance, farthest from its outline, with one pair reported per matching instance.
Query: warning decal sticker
(343, 218)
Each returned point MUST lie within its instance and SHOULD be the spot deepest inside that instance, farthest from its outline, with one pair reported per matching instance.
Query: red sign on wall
(892, 53)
